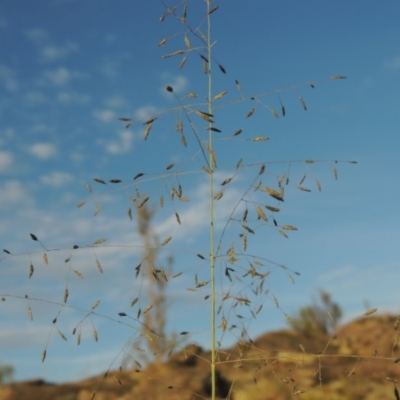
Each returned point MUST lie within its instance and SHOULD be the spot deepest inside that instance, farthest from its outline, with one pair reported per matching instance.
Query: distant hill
(361, 361)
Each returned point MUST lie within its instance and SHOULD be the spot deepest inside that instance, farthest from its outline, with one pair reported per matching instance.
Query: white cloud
(43, 151)
(122, 145)
(73, 97)
(105, 115)
(56, 179)
(179, 83)
(115, 101)
(37, 36)
(62, 76)
(112, 65)
(34, 98)
(110, 38)
(49, 51)
(145, 113)
(13, 193)
(52, 52)
(6, 160)
(393, 64)
(7, 78)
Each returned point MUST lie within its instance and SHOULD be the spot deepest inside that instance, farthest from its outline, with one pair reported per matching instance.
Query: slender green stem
(211, 181)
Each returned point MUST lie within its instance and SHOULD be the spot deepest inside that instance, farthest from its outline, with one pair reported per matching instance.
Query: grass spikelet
(222, 68)
(183, 62)
(218, 195)
(78, 274)
(44, 355)
(97, 210)
(175, 53)
(260, 139)
(303, 103)
(273, 193)
(65, 295)
(31, 270)
(250, 113)
(96, 304)
(338, 77)
(178, 218)
(261, 214)
(30, 314)
(220, 95)
(206, 116)
(289, 228)
(167, 240)
(95, 335)
(147, 308)
(283, 234)
(147, 131)
(99, 267)
(61, 335)
(187, 42)
(371, 311)
(82, 203)
(33, 237)
(138, 175)
(335, 173)
(99, 241)
(98, 180)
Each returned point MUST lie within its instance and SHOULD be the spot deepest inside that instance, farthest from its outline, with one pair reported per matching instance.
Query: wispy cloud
(105, 115)
(111, 65)
(48, 51)
(7, 78)
(122, 144)
(62, 76)
(393, 64)
(6, 161)
(13, 193)
(57, 179)
(73, 98)
(43, 151)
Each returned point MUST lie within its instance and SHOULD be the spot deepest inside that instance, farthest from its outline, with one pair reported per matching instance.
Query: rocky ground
(361, 361)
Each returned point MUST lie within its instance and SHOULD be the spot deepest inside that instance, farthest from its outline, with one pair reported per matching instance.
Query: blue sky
(69, 69)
